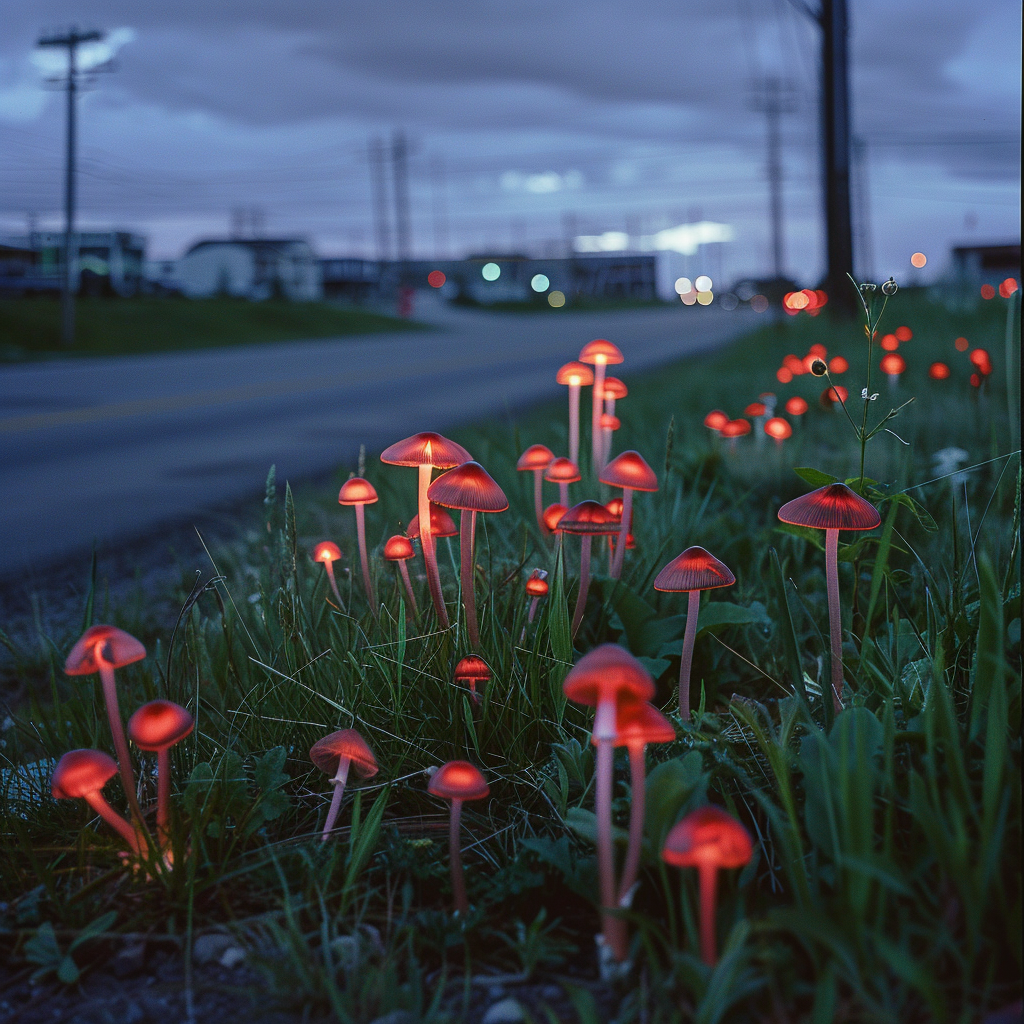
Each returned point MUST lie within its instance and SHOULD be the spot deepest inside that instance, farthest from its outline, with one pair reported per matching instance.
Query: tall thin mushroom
(562, 471)
(535, 460)
(327, 553)
(630, 472)
(575, 375)
(457, 781)
(614, 389)
(359, 492)
(691, 572)
(832, 508)
(399, 549)
(81, 775)
(600, 353)
(588, 519)
(333, 755)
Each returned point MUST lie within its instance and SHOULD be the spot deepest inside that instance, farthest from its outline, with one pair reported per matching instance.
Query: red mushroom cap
(357, 491)
(574, 369)
(536, 584)
(458, 780)
(716, 419)
(893, 364)
(938, 371)
(537, 456)
(837, 364)
(694, 569)
(735, 428)
(637, 722)
(562, 471)
(796, 406)
(600, 349)
(441, 524)
(589, 517)
(608, 671)
(109, 644)
(832, 395)
(779, 428)
(755, 409)
(470, 487)
(615, 507)
(472, 668)
(553, 516)
(426, 449)
(708, 836)
(327, 753)
(609, 422)
(326, 551)
(614, 388)
(398, 548)
(629, 470)
(832, 507)
(81, 771)
(159, 725)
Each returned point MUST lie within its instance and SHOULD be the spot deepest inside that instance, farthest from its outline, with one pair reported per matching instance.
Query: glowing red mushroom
(938, 371)
(328, 553)
(441, 524)
(471, 488)
(425, 451)
(472, 670)
(690, 573)
(575, 375)
(708, 839)
(156, 727)
(553, 516)
(796, 406)
(832, 508)
(630, 472)
(458, 781)
(359, 492)
(778, 428)
(892, 366)
(599, 353)
(588, 519)
(536, 459)
(715, 420)
(399, 549)
(81, 775)
(333, 755)
(103, 649)
(609, 424)
(536, 588)
(563, 472)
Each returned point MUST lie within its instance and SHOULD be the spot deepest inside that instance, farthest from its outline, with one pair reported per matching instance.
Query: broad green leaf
(790, 647)
(814, 477)
(671, 787)
(558, 614)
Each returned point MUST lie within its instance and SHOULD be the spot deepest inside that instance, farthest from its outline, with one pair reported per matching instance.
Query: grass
(886, 885)
(30, 328)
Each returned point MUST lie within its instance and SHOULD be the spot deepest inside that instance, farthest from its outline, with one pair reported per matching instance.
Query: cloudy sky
(527, 120)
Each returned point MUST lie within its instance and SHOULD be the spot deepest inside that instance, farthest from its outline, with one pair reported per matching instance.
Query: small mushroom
(553, 516)
(359, 492)
(441, 525)
(333, 755)
(536, 588)
(715, 420)
(778, 428)
(536, 459)
(599, 353)
(588, 519)
(563, 472)
(613, 389)
(630, 472)
(399, 549)
(576, 375)
(457, 781)
(81, 775)
(103, 649)
(609, 424)
(328, 553)
(156, 727)
(472, 670)
(708, 839)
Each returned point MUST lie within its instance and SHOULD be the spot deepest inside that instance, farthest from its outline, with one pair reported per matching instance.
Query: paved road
(108, 449)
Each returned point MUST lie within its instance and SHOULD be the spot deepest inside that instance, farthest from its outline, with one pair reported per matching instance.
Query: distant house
(351, 279)
(102, 263)
(251, 268)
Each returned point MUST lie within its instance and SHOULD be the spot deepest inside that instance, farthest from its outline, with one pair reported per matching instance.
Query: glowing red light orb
(938, 371)
(796, 406)
(837, 364)
(904, 333)
(987, 291)
(436, 278)
(893, 364)
(890, 343)
(783, 375)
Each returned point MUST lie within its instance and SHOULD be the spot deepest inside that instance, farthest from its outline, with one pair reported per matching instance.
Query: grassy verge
(886, 885)
(30, 328)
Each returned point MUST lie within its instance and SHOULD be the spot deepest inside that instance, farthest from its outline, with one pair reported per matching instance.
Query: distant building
(251, 268)
(975, 265)
(353, 280)
(105, 263)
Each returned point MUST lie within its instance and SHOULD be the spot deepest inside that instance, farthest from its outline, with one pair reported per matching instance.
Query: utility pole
(862, 235)
(400, 182)
(69, 41)
(379, 191)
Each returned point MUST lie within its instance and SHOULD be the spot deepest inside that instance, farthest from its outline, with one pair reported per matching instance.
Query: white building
(251, 268)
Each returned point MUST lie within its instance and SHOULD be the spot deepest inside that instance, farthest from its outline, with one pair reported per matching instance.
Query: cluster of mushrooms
(607, 678)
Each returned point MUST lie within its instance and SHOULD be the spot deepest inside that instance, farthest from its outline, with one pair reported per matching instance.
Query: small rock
(347, 949)
(508, 1011)
(130, 960)
(232, 957)
(395, 1017)
(210, 947)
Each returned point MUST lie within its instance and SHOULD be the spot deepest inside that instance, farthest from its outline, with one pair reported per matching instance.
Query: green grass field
(886, 879)
(30, 328)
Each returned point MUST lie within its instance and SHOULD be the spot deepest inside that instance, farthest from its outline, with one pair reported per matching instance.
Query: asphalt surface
(105, 450)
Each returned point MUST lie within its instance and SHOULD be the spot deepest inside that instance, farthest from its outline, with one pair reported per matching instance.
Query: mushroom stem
(563, 492)
(708, 875)
(611, 926)
(455, 859)
(338, 782)
(631, 868)
(686, 662)
(538, 499)
(361, 537)
(414, 613)
(533, 610)
(466, 571)
(620, 544)
(329, 566)
(163, 792)
(574, 422)
(581, 599)
(429, 554)
(597, 444)
(835, 624)
(99, 804)
(124, 760)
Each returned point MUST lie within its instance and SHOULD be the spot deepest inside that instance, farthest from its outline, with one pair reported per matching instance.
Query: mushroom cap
(716, 419)
(938, 371)
(426, 449)
(893, 364)
(458, 780)
(735, 428)
(398, 548)
(552, 515)
(326, 551)
(589, 517)
(778, 427)
(755, 409)
(536, 584)
(600, 349)
(441, 524)
(706, 836)
(562, 471)
(629, 470)
(608, 671)
(537, 456)
(113, 646)
(796, 406)
(159, 725)
(640, 722)
(615, 507)
(469, 487)
(472, 667)
(357, 491)
(80, 772)
(327, 753)
(614, 388)
(832, 507)
(832, 395)
(609, 422)
(694, 569)
(575, 369)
